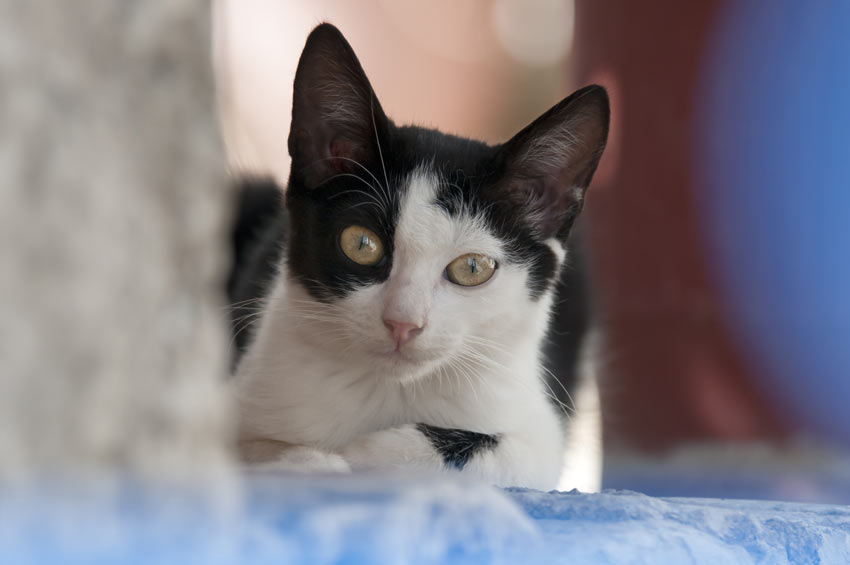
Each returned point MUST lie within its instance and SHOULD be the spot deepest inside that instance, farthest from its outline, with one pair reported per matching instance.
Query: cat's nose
(402, 332)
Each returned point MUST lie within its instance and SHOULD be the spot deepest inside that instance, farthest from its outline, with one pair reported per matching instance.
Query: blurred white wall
(113, 349)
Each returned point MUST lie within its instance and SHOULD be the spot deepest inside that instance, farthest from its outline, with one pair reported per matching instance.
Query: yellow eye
(361, 245)
(471, 269)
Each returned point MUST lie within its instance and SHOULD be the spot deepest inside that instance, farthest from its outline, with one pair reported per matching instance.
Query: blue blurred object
(358, 519)
(774, 151)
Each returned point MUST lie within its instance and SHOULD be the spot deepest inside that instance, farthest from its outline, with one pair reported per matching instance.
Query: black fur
(572, 312)
(457, 446)
(258, 236)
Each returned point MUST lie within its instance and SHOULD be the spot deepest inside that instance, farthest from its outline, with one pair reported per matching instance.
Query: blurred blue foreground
(392, 519)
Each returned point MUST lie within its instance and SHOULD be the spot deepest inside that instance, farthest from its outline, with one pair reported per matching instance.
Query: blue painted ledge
(364, 518)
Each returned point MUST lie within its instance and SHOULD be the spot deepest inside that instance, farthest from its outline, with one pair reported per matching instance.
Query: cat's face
(419, 249)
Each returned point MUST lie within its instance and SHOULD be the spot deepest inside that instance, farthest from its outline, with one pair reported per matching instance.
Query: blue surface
(626, 527)
(395, 519)
(774, 150)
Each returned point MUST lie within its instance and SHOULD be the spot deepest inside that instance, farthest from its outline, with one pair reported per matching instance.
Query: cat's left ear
(337, 121)
(549, 164)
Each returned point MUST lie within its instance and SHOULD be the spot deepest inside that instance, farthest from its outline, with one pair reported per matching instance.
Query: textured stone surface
(112, 346)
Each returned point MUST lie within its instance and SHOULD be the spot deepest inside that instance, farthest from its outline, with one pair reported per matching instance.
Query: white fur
(328, 376)
(301, 459)
(582, 466)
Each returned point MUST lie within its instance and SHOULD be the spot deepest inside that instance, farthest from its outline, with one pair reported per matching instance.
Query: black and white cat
(404, 318)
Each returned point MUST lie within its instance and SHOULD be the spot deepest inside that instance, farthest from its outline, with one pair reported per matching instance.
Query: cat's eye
(471, 269)
(361, 245)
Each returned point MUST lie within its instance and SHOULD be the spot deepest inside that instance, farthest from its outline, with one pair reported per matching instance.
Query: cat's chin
(404, 366)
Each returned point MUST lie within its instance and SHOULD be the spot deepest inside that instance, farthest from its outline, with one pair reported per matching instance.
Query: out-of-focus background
(718, 223)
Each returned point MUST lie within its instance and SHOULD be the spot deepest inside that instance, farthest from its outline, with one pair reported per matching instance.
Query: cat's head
(416, 247)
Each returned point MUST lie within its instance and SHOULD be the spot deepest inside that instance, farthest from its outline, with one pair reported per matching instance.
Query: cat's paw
(404, 446)
(303, 459)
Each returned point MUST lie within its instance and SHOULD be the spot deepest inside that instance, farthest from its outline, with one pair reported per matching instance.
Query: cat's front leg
(267, 454)
(401, 447)
(509, 459)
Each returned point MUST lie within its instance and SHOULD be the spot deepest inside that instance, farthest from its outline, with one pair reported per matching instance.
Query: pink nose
(402, 332)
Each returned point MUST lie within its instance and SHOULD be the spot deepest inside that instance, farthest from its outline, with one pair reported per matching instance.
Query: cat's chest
(316, 401)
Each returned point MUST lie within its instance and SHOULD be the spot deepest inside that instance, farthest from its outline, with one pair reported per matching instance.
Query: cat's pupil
(364, 241)
(472, 264)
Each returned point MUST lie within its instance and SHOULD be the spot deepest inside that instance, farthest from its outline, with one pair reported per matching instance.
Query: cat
(400, 300)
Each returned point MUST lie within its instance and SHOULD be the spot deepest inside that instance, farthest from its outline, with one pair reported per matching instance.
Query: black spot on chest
(457, 446)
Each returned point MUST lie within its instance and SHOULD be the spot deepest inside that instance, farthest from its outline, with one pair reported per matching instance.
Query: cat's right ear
(549, 164)
(337, 121)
